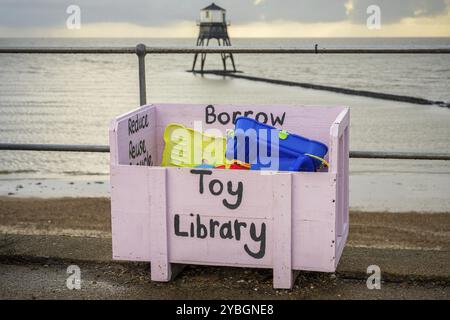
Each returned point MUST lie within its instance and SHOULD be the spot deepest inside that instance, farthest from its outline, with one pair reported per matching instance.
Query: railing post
(141, 52)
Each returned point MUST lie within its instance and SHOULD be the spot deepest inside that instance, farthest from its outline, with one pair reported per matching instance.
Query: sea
(71, 99)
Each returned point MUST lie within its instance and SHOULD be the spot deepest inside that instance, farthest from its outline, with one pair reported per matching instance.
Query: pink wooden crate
(286, 221)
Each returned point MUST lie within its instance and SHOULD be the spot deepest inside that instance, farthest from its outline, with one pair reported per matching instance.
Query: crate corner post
(339, 164)
(283, 274)
(160, 267)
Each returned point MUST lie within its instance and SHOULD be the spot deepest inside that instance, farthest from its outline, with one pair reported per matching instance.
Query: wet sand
(92, 216)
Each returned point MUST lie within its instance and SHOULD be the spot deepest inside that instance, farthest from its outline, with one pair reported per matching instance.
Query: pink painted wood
(286, 221)
(283, 276)
(159, 235)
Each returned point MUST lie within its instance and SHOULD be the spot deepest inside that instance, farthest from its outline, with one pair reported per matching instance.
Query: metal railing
(141, 48)
(105, 149)
(141, 51)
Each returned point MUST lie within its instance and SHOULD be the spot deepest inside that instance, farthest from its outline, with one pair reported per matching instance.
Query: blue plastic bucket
(293, 150)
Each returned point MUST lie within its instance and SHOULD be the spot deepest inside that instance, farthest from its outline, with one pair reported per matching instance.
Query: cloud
(183, 29)
(157, 12)
(408, 27)
(26, 15)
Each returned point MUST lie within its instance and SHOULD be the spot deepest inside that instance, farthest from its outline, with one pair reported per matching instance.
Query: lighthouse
(213, 25)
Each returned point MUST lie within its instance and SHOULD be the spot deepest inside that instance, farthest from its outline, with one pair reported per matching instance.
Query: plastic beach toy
(256, 143)
(204, 166)
(235, 165)
(185, 147)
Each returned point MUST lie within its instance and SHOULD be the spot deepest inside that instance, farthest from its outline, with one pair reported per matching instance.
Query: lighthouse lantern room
(213, 14)
(213, 25)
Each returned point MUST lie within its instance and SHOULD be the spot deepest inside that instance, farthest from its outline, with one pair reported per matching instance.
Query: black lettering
(261, 238)
(226, 120)
(138, 124)
(235, 115)
(136, 150)
(225, 231)
(201, 173)
(239, 191)
(212, 227)
(192, 227)
(247, 113)
(258, 115)
(130, 126)
(237, 229)
(177, 227)
(201, 229)
(130, 151)
(210, 112)
(277, 119)
(211, 187)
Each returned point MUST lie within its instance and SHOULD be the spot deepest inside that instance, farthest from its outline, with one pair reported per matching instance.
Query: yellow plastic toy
(186, 147)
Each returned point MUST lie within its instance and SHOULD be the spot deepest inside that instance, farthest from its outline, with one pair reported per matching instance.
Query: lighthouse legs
(231, 55)
(199, 41)
(232, 62)
(228, 43)
(224, 56)
(195, 60)
(204, 56)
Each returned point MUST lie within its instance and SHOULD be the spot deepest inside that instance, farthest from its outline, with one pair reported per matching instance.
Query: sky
(248, 18)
